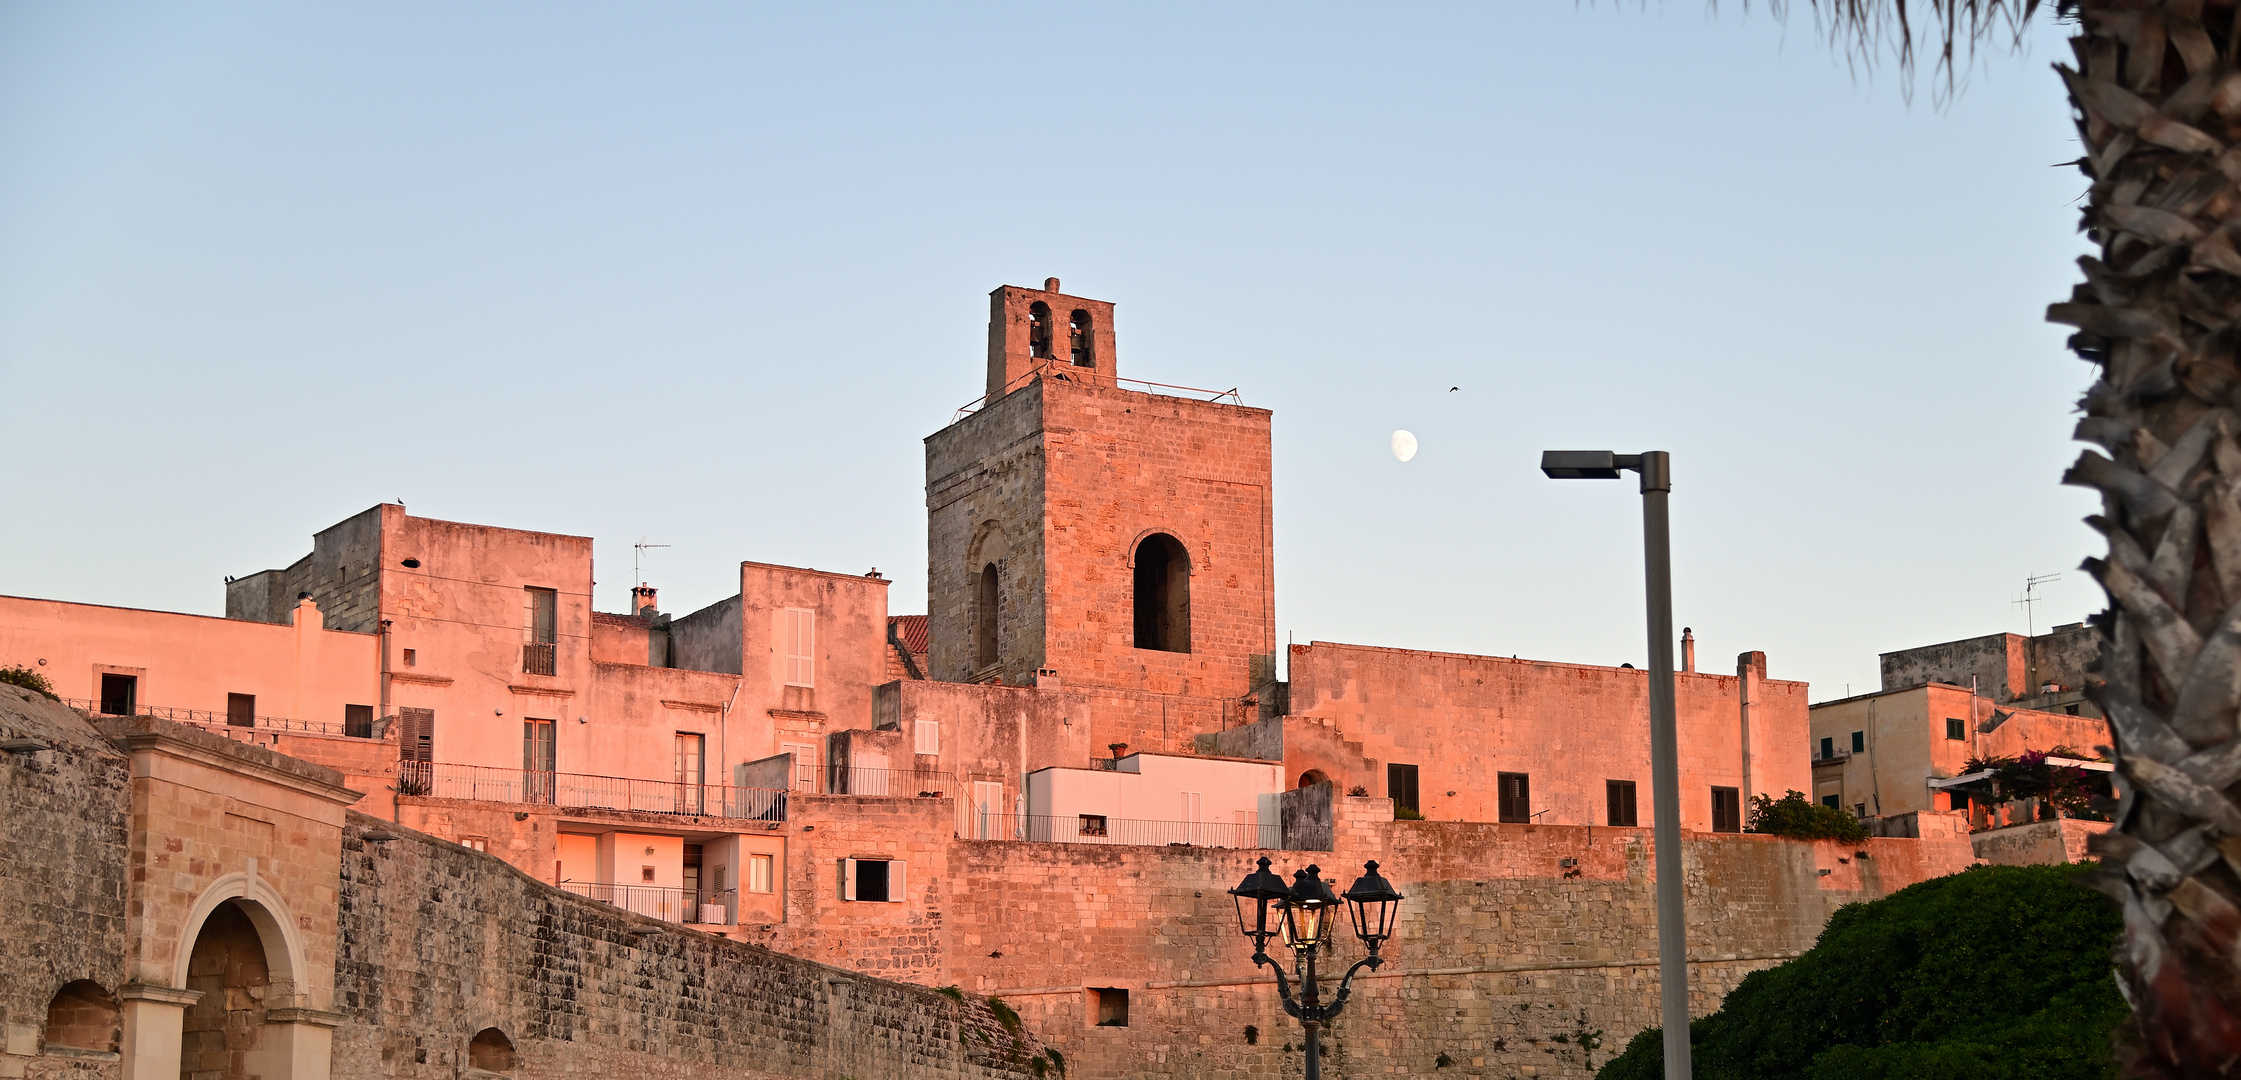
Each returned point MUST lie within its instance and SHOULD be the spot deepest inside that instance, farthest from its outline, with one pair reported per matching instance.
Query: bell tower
(1115, 537)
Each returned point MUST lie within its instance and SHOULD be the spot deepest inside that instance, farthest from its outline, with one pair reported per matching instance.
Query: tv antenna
(637, 557)
(2030, 587)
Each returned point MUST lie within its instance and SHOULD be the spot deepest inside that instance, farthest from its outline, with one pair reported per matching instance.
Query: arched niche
(83, 1015)
(491, 1051)
(1161, 572)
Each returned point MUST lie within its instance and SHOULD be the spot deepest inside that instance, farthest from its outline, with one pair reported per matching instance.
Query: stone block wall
(440, 943)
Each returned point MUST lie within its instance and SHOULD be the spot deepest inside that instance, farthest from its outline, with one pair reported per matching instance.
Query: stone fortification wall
(441, 943)
(1507, 961)
(63, 847)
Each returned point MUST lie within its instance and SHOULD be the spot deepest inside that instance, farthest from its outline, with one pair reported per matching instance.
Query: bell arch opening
(84, 1016)
(1079, 340)
(1163, 594)
(1038, 330)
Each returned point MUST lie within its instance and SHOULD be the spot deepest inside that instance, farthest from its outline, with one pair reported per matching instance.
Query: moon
(1404, 445)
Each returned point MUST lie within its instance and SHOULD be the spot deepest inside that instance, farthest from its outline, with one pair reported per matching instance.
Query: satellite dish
(1404, 445)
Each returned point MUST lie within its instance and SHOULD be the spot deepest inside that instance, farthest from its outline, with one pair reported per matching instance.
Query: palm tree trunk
(2158, 96)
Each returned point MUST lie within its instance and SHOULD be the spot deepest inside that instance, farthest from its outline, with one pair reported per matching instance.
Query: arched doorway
(492, 1052)
(1163, 594)
(222, 1031)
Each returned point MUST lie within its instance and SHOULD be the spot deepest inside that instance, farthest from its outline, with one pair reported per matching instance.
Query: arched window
(1078, 339)
(1038, 330)
(1312, 777)
(491, 1051)
(83, 1016)
(1163, 594)
(984, 617)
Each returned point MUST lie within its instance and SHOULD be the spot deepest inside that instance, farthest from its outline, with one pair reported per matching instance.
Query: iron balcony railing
(219, 720)
(574, 791)
(666, 903)
(901, 783)
(1103, 829)
(540, 657)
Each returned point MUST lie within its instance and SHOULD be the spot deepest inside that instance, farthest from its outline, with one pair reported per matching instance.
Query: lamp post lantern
(1305, 916)
(1656, 468)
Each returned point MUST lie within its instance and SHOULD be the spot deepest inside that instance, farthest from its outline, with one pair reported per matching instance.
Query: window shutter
(848, 879)
(898, 882)
(929, 737)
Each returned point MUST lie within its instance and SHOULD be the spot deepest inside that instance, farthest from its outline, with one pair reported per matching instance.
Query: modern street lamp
(1306, 913)
(1656, 467)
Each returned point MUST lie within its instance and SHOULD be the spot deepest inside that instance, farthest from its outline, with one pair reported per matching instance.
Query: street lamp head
(1580, 464)
(1375, 905)
(1310, 911)
(1252, 896)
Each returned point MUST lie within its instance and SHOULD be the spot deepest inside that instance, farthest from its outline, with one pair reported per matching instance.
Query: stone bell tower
(1117, 537)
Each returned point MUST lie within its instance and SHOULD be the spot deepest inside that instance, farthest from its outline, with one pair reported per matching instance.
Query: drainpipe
(1745, 686)
(382, 712)
(723, 731)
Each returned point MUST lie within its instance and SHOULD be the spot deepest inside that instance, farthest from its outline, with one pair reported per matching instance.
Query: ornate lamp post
(1305, 914)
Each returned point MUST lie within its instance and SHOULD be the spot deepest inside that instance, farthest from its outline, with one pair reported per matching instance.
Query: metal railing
(667, 903)
(217, 719)
(900, 783)
(1061, 371)
(575, 791)
(540, 657)
(1102, 829)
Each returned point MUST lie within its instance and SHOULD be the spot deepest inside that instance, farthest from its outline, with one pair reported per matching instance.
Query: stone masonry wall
(1506, 960)
(441, 942)
(63, 847)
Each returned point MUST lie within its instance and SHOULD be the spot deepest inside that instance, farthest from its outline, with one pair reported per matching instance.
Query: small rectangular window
(1828, 749)
(1400, 786)
(1618, 799)
(1513, 797)
(412, 657)
(477, 843)
(1727, 810)
(117, 694)
(357, 721)
(801, 647)
(1956, 800)
(759, 875)
(1956, 728)
(927, 737)
(1111, 1004)
(1859, 809)
(1831, 801)
(241, 710)
(646, 874)
(1093, 825)
(1859, 741)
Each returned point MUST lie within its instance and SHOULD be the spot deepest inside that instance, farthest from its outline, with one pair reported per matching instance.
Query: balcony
(1103, 829)
(577, 791)
(659, 902)
(221, 722)
(899, 783)
(540, 658)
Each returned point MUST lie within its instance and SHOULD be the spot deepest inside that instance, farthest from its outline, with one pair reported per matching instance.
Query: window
(475, 843)
(117, 694)
(1859, 809)
(1833, 802)
(357, 721)
(1078, 339)
(988, 810)
(1513, 797)
(540, 631)
(1400, 786)
(1163, 595)
(1859, 741)
(1956, 728)
(1191, 806)
(801, 647)
(805, 765)
(985, 610)
(1727, 810)
(759, 875)
(692, 862)
(1956, 800)
(241, 710)
(1618, 803)
(412, 657)
(1110, 1005)
(416, 735)
(872, 881)
(1093, 824)
(1038, 330)
(537, 761)
(926, 737)
(646, 874)
(1828, 749)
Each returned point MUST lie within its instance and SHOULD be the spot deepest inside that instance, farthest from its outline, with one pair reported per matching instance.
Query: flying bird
(1453, 389)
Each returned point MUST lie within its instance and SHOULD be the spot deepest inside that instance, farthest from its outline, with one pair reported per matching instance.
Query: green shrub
(1402, 813)
(29, 680)
(1994, 973)
(1800, 818)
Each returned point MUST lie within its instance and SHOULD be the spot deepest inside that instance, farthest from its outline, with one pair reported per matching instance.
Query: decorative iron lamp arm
(1283, 985)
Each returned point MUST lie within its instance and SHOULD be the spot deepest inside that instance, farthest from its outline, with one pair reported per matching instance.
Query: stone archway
(237, 976)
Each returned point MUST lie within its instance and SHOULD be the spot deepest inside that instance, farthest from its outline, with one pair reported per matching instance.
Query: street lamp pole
(1656, 469)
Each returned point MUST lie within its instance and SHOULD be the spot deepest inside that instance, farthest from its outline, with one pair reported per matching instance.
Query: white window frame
(762, 872)
(800, 629)
(926, 737)
(898, 879)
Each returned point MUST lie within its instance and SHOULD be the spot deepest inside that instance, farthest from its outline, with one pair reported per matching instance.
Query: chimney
(642, 600)
(1688, 649)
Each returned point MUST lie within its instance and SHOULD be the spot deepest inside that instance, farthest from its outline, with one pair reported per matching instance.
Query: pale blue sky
(708, 275)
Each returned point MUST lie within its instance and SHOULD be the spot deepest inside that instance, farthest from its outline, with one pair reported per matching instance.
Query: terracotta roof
(612, 619)
(910, 630)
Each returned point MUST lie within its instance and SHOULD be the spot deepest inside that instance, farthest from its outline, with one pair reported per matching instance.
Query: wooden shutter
(928, 737)
(848, 879)
(897, 880)
(416, 736)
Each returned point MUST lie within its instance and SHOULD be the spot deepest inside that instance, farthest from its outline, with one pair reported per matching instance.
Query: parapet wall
(440, 942)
